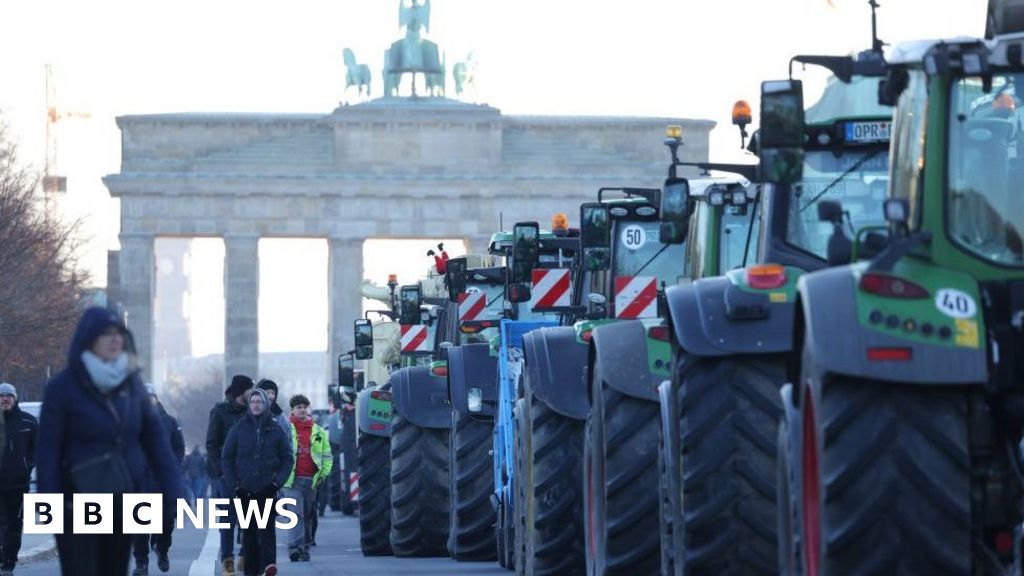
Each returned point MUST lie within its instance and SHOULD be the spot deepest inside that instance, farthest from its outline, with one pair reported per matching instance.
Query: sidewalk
(36, 547)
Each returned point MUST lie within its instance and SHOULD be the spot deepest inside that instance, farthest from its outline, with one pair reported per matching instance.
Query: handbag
(104, 474)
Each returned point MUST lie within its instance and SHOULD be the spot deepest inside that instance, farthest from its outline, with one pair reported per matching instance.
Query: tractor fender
(698, 313)
(472, 366)
(555, 365)
(372, 419)
(421, 398)
(839, 343)
(620, 357)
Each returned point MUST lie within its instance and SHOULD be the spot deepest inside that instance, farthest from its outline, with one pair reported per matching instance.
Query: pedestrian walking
(256, 462)
(270, 387)
(312, 466)
(99, 434)
(19, 453)
(195, 472)
(160, 543)
(223, 417)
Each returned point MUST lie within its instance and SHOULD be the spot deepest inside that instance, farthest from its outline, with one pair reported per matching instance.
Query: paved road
(194, 554)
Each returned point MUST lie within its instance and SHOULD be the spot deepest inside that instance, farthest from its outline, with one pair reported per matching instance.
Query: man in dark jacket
(96, 410)
(195, 471)
(257, 460)
(223, 417)
(18, 459)
(161, 543)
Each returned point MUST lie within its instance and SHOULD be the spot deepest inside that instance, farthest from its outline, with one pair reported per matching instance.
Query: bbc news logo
(144, 513)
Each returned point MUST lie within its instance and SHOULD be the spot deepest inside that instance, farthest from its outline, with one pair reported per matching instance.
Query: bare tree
(188, 395)
(41, 287)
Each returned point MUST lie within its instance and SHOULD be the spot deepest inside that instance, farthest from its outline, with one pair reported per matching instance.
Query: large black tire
(375, 495)
(668, 481)
(471, 534)
(419, 490)
(349, 450)
(730, 409)
(892, 471)
(624, 503)
(786, 510)
(553, 480)
(519, 532)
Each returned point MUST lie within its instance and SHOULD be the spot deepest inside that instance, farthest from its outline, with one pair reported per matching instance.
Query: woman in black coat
(98, 432)
(257, 460)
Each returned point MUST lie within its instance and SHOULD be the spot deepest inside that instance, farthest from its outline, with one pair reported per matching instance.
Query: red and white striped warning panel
(353, 486)
(551, 288)
(636, 297)
(471, 305)
(414, 338)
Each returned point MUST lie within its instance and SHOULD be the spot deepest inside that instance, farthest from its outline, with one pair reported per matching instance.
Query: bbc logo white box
(143, 513)
(44, 513)
(93, 514)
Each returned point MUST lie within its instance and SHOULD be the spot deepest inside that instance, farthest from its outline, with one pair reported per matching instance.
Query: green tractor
(720, 408)
(901, 445)
(626, 264)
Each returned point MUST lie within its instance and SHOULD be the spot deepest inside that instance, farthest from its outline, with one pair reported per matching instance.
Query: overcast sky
(683, 58)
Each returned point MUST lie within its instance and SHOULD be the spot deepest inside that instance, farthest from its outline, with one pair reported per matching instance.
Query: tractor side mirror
(830, 211)
(517, 292)
(457, 277)
(782, 131)
(525, 250)
(364, 339)
(675, 211)
(410, 305)
(346, 374)
(595, 236)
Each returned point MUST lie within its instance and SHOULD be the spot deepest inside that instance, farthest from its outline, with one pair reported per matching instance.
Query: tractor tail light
(658, 333)
(889, 354)
(891, 286)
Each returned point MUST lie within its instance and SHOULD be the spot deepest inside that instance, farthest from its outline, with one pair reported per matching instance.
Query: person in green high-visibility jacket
(312, 466)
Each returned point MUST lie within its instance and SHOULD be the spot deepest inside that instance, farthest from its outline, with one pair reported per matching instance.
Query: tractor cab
(625, 264)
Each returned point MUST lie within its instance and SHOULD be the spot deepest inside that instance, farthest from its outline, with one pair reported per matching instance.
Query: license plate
(878, 131)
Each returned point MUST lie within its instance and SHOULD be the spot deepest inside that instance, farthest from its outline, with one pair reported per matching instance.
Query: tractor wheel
(518, 500)
(729, 424)
(668, 482)
(375, 495)
(624, 503)
(471, 535)
(553, 492)
(786, 509)
(419, 490)
(885, 478)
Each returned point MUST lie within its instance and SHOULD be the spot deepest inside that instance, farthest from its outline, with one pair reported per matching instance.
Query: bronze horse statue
(464, 75)
(356, 74)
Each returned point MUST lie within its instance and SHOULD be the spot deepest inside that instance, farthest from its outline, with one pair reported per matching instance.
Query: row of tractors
(810, 365)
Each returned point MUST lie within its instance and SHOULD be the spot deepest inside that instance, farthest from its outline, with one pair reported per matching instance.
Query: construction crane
(52, 182)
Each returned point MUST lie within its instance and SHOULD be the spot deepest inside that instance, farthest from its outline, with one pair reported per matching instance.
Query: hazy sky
(561, 57)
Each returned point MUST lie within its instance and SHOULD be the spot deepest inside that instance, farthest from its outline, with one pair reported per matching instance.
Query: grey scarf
(106, 375)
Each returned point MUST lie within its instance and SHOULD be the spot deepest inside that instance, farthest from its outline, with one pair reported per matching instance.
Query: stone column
(136, 267)
(344, 275)
(241, 306)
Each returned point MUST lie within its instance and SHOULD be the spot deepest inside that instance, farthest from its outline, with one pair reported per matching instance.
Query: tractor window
(906, 154)
(697, 241)
(856, 177)
(637, 251)
(986, 164)
(735, 223)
